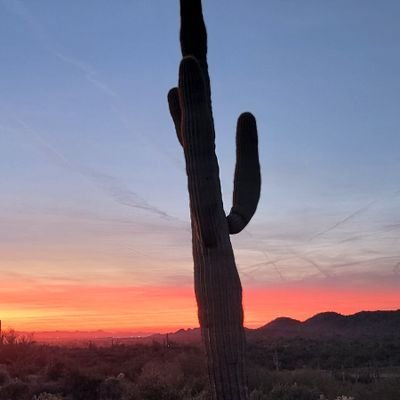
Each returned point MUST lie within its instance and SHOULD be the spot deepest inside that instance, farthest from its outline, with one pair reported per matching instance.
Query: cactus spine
(217, 283)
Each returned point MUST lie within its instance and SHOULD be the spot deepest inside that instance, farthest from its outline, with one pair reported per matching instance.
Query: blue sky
(93, 182)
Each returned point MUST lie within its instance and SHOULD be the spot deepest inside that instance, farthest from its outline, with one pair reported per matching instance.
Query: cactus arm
(175, 111)
(247, 181)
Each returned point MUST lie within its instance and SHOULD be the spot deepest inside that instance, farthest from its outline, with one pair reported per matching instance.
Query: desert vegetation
(278, 369)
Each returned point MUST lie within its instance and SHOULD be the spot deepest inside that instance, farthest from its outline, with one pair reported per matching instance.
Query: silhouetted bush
(47, 396)
(81, 386)
(139, 372)
(160, 381)
(111, 389)
(15, 391)
(55, 370)
(4, 376)
(293, 392)
(257, 395)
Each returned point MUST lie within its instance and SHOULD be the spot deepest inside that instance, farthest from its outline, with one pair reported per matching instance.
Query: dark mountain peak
(282, 326)
(325, 324)
(376, 315)
(320, 326)
(283, 322)
(325, 318)
(189, 335)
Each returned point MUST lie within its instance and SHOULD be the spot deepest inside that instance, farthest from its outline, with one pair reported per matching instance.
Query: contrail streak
(343, 221)
(107, 183)
(317, 266)
(268, 258)
(349, 217)
(89, 73)
(396, 268)
(360, 262)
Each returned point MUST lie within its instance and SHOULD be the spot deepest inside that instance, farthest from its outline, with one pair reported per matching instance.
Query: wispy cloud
(20, 9)
(107, 183)
(258, 245)
(89, 73)
(396, 268)
(122, 194)
(343, 221)
(392, 227)
(316, 265)
(366, 261)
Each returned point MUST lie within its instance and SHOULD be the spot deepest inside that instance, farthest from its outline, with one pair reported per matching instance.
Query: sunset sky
(94, 218)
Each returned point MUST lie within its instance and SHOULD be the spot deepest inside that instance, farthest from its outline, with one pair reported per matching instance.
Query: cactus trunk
(219, 299)
(217, 283)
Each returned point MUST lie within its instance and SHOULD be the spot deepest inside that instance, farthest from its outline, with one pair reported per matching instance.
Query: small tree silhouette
(217, 283)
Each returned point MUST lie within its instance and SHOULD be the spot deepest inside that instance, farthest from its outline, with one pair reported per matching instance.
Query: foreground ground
(290, 369)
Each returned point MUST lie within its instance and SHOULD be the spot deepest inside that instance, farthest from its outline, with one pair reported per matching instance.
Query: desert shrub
(194, 389)
(82, 386)
(4, 376)
(257, 395)
(259, 378)
(154, 372)
(47, 396)
(192, 363)
(311, 379)
(10, 337)
(293, 392)
(344, 398)
(158, 391)
(118, 388)
(111, 389)
(168, 373)
(203, 395)
(160, 381)
(55, 370)
(15, 391)
(193, 367)
(40, 386)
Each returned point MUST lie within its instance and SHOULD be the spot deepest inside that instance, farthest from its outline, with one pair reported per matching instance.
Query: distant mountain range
(323, 325)
(364, 323)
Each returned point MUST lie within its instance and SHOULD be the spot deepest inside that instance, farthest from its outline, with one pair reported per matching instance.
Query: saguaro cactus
(217, 283)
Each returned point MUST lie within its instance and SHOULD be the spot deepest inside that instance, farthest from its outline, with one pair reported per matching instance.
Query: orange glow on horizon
(303, 301)
(32, 307)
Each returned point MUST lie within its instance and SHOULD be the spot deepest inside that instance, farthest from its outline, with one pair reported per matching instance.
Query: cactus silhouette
(217, 284)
